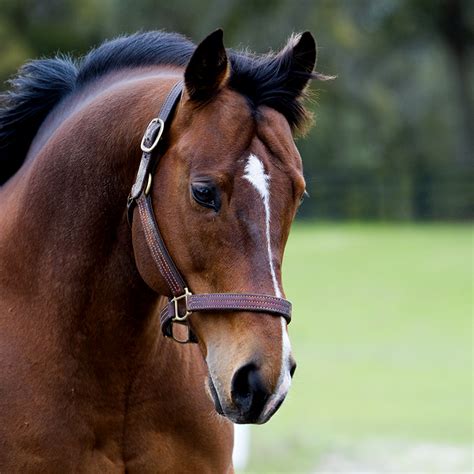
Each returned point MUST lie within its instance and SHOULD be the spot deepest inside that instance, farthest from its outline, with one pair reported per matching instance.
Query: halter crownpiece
(182, 303)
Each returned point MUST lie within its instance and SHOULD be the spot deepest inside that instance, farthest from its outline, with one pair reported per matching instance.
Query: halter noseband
(183, 303)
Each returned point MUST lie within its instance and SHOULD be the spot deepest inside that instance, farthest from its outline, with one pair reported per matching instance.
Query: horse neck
(72, 243)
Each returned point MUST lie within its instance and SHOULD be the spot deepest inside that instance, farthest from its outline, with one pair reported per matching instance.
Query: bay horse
(88, 382)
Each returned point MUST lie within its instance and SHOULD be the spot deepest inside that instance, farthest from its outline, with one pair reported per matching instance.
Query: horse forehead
(268, 176)
(275, 149)
(216, 132)
(223, 134)
(274, 132)
(226, 115)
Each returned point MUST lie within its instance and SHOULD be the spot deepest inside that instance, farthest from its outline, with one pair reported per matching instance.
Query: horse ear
(302, 51)
(207, 69)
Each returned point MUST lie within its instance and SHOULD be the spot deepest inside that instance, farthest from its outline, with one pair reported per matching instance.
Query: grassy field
(383, 338)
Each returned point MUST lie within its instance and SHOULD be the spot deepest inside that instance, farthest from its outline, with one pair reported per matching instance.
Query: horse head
(226, 190)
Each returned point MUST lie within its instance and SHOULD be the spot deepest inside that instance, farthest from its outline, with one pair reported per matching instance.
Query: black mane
(41, 84)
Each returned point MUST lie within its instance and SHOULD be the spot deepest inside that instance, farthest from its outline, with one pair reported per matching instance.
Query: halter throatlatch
(182, 303)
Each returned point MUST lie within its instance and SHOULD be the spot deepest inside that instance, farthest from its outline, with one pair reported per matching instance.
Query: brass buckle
(176, 300)
(148, 185)
(148, 149)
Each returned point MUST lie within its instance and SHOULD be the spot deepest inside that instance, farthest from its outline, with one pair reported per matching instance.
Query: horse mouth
(269, 411)
(241, 418)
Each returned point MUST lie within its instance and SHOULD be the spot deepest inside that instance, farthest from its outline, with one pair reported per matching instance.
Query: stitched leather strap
(240, 301)
(223, 302)
(183, 302)
(157, 247)
(149, 142)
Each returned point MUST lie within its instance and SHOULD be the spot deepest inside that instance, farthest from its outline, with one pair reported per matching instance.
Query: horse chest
(58, 417)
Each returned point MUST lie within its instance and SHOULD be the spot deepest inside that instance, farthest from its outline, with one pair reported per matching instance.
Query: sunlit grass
(382, 336)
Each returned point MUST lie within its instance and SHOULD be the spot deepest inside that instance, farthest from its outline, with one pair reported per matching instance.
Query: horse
(90, 381)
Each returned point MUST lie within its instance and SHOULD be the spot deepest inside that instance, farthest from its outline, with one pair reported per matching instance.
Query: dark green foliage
(393, 136)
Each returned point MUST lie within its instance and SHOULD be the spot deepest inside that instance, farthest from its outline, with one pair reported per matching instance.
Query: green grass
(382, 335)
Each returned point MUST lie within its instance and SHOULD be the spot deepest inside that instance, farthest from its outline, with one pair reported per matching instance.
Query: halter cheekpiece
(182, 303)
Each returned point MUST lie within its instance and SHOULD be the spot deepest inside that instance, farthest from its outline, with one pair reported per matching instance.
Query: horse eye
(206, 195)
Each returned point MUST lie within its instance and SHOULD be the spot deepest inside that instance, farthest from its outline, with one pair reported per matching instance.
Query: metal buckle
(176, 300)
(152, 124)
(148, 185)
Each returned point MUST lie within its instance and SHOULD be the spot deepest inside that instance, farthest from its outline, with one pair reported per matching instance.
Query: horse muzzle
(251, 401)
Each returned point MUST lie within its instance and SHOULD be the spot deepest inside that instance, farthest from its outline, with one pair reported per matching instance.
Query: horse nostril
(248, 392)
(292, 368)
(240, 382)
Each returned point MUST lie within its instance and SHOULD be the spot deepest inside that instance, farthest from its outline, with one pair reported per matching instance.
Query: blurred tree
(394, 132)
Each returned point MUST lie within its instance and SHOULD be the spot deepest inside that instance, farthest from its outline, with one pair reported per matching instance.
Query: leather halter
(182, 303)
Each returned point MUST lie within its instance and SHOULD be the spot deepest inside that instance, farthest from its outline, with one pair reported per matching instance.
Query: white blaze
(284, 380)
(254, 172)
